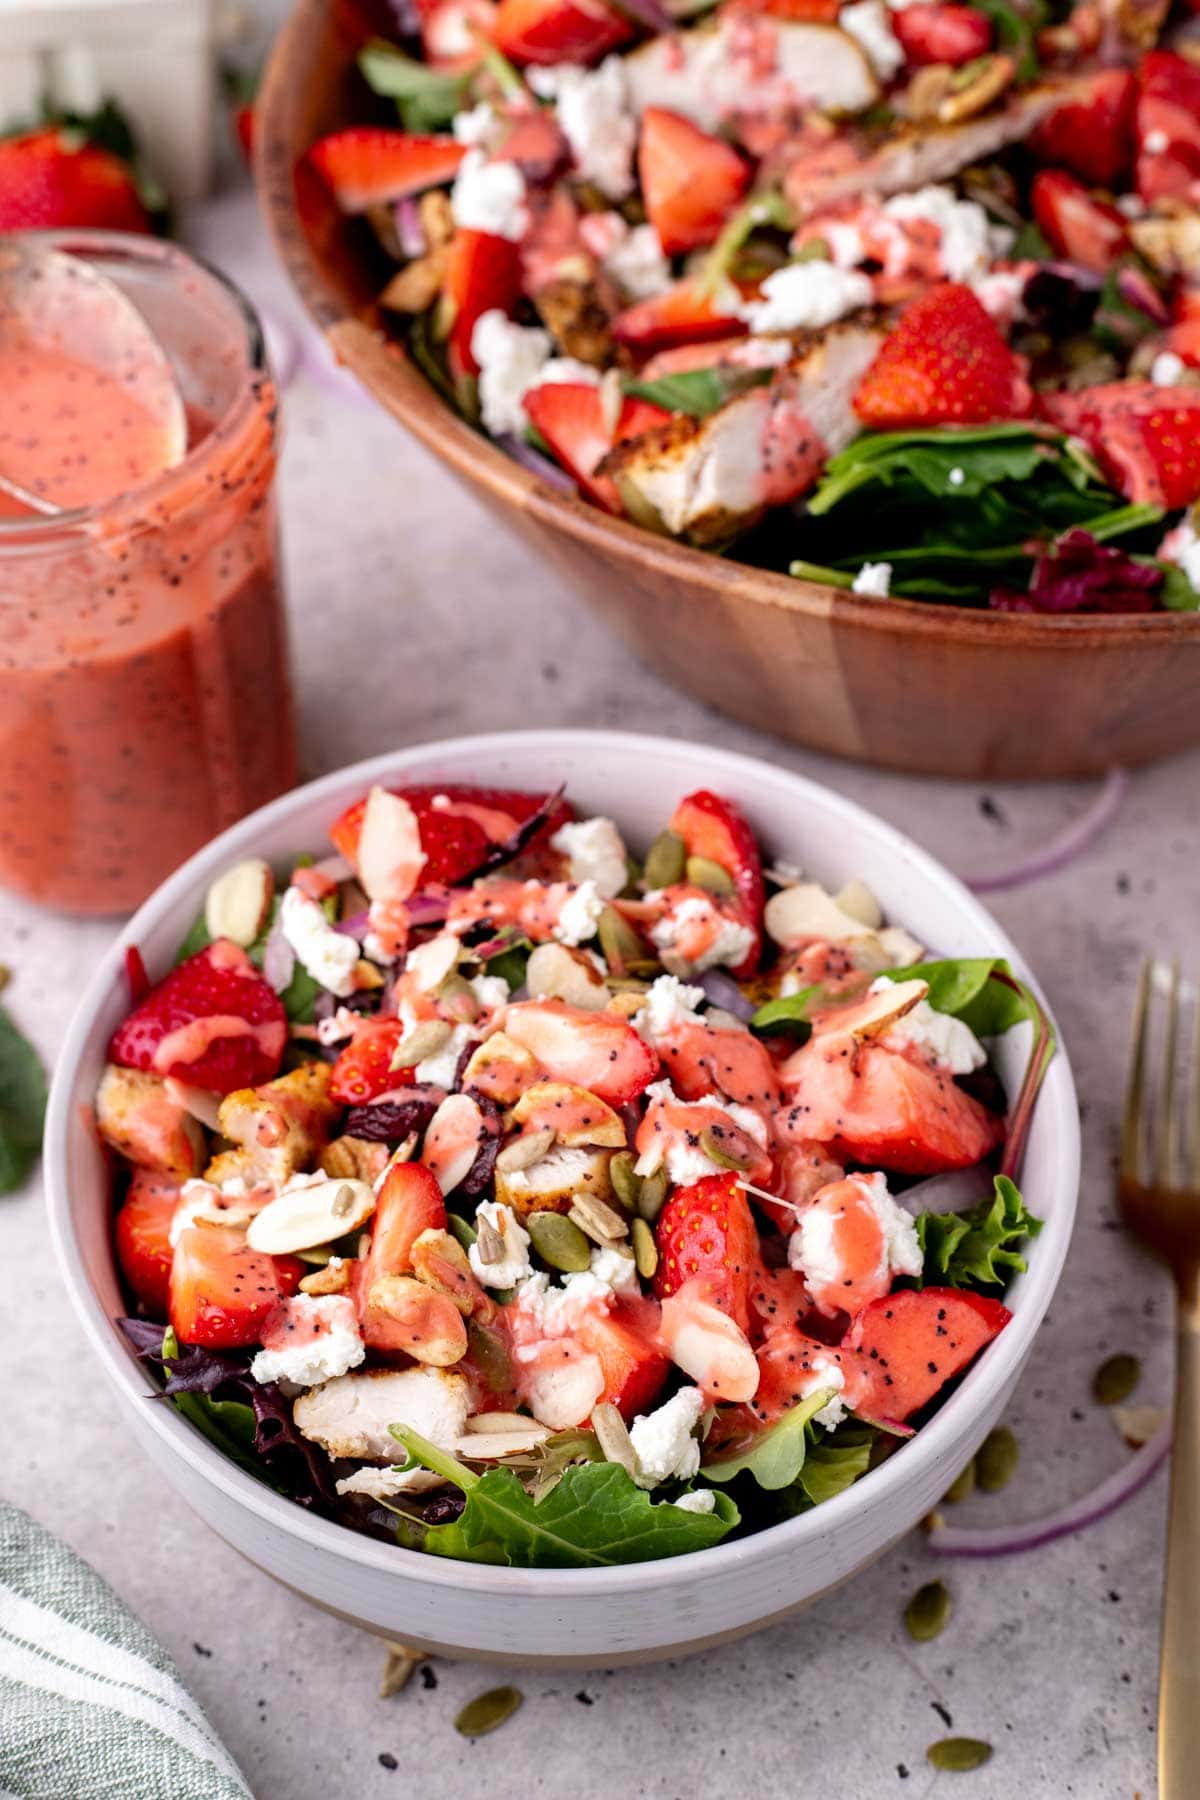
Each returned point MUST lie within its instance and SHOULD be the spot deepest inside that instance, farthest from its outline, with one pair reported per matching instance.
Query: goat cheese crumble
(329, 956)
(579, 919)
(946, 1039)
(309, 1339)
(595, 852)
(874, 579)
(489, 196)
(593, 113)
(514, 1266)
(804, 296)
(663, 1440)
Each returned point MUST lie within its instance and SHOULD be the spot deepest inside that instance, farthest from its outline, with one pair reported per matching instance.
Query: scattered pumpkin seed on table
(957, 1754)
(928, 1612)
(488, 1711)
(996, 1463)
(963, 1484)
(1116, 1379)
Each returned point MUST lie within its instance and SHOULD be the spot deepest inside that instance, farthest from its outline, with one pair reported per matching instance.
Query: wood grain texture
(905, 685)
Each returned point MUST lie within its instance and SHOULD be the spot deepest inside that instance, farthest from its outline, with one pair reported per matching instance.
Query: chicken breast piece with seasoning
(350, 1415)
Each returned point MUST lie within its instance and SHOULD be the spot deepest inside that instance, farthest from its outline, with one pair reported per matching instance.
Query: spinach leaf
(22, 1104)
(696, 391)
(965, 987)
(426, 98)
(977, 1249)
(593, 1517)
(835, 1461)
(1016, 31)
(786, 1016)
(775, 1456)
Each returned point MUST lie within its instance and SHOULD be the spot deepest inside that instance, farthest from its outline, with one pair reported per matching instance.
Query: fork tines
(1160, 1134)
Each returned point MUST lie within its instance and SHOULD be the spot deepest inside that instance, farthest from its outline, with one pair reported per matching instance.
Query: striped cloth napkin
(91, 1707)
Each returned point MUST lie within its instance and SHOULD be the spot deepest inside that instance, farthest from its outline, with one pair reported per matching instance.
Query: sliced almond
(239, 901)
(452, 1140)
(493, 1446)
(612, 1433)
(525, 1150)
(429, 964)
(856, 898)
(501, 1068)
(502, 1421)
(900, 947)
(872, 1016)
(555, 972)
(585, 1119)
(805, 912)
(304, 1217)
(426, 1038)
(390, 857)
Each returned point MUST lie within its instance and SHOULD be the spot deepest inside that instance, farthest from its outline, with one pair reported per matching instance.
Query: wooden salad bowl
(903, 684)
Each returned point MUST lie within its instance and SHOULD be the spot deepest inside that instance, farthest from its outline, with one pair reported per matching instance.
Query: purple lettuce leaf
(1080, 575)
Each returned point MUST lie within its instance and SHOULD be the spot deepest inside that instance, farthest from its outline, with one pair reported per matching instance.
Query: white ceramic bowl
(589, 1616)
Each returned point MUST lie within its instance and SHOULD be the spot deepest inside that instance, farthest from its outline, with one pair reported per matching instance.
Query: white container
(156, 58)
(580, 1616)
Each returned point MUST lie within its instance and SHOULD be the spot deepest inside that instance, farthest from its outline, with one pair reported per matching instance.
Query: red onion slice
(409, 228)
(1068, 844)
(279, 960)
(1089, 1509)
(724, 992)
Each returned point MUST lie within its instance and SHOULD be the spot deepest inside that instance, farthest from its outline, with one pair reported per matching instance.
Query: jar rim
(138, 247)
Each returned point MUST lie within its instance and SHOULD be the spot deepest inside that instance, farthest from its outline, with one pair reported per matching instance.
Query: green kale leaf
(979, 1248)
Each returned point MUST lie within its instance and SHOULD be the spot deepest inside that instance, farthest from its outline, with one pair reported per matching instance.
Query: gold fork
(1159, 1191)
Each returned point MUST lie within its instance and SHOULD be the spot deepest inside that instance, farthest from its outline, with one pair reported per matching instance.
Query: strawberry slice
(142, 1234)
(570, 416)
(1167, 128)
(1088, 231)
(1146, 438)
(690, 180)
(1092, 134)
(707, 1231)
(48, 180)
(409, 1202)
(364, 1069)
(622, 1340)
(482, 272)
(881, 1109)
(593, 1050)
(212, 1022)
(221, 1291)
(370, 165)
(713, 828)
(906, 1346)
(683, 315)
(941, 34)
(458, 824)
(558, 31)
(944, 363)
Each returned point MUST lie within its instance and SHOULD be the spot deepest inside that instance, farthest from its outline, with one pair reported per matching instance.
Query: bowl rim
(982, 1384)
(385, 369)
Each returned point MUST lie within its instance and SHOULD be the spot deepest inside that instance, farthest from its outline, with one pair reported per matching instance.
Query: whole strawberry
(944, 363)
(213, 1022)
(51, 179)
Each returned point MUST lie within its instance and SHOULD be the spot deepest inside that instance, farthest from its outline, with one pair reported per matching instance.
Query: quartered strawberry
(593, 1050)
(713, 828)
(1167, 127)
(409, 1202)
(213, 1022)
(458, 824)
(1092, 133)
(882, 1109)
(142, 1233)
(1088, 231)
(701, 1058)
(221, 1291)
(570, 416)
(901, 1350)
(482, 272)
(941, 34)
(363, 1069)
(707, 1232)
(682, 315)
(370, 165)
(690, 181)
(558, 31)
(623, 1341)
(944, 363)
(1146, 438)
(49, 179)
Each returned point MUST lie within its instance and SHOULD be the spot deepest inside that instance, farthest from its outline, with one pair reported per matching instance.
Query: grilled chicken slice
(710, 479)
(350, 1415)
(751, 64)
(853, 165)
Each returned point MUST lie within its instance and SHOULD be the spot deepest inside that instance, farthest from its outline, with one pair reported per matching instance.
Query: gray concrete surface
(415, 617)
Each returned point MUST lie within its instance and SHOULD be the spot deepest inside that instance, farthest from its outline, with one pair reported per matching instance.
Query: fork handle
(1179, 1678)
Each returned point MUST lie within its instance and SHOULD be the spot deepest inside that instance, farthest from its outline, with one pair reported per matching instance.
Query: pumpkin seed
(489, 1354)
(928, 1612)
(626, 1184)
(996, 1463)
(459, 997)
(645, 1250)
(714, 1146)
(814, 250)
(558, 1241)
(666, 861)
(487, 1711)
(1116, 1379)
(612, 1434)
(958, 1754)
(620, 944)
(462, 1229)
(526, 1150)
(702, 872)
(651, 1196)
(962, 1486)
